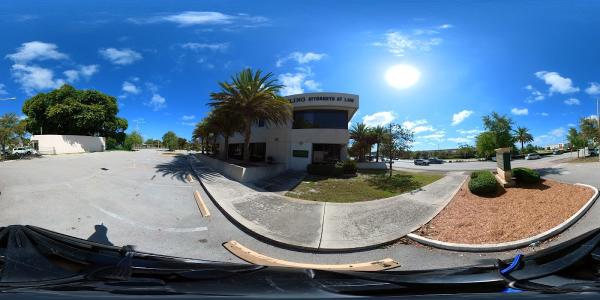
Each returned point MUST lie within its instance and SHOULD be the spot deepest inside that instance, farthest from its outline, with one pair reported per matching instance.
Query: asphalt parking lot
(143, 198)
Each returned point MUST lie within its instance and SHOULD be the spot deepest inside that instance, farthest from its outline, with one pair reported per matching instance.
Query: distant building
(561, 146)
(61, 144)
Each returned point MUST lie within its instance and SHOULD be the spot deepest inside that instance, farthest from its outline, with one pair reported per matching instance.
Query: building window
(336, 119)
(261, 122)
(257, 151)
(326, 153)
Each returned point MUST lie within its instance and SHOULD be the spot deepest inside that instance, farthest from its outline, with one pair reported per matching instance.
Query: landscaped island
(365, 185)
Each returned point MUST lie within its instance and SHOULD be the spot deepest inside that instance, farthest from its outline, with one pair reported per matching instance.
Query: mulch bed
(512, 214)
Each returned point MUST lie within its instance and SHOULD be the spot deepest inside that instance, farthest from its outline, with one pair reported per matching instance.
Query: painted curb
(510, 245)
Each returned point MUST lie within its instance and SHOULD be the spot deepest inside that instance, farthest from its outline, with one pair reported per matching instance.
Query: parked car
(593, 152)
(435, 160)
(421, 162)
(23, 151)
(531, 156)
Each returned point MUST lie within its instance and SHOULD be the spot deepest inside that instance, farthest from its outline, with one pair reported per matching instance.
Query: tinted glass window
(320, 119)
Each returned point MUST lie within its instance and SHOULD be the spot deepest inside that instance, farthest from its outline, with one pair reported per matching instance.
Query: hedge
(483, 183)
(526, 175)
(325, 169)
(349, 167)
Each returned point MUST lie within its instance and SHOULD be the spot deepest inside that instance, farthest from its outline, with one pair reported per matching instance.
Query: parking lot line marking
(256, 258)
(203, 209)
(189, 178)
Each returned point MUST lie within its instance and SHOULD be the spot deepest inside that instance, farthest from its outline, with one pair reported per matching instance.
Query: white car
(23, 150)
(531, 156)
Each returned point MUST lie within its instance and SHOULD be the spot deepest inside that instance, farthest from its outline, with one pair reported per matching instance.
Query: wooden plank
(189, 178)
(201, 205)
(259, 259)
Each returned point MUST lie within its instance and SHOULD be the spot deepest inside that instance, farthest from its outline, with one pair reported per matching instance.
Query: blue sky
(536, 61)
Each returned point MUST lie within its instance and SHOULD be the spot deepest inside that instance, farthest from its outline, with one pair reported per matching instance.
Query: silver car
(531, 156)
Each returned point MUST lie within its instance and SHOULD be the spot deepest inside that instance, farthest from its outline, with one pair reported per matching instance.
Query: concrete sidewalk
(326, 226)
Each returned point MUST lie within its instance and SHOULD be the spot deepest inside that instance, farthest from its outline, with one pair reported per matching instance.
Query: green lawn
(366, 185)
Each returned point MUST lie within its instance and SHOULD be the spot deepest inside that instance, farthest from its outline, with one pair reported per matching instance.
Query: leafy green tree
(575, 138)
(70, 111)
(501, 127)
(522, 135)
(485, 144)
(201, 133)
(220, 123)
(11, 130)
(589, 130)
(182, 143)
(378, 134)
(396, 140)
(255, 97)
(170, 140)
(466, 151)
(132, 140)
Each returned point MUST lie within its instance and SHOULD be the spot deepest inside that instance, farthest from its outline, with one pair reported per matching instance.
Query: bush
(526, 175)
(349, 167)
(325, 169)
(483, 183)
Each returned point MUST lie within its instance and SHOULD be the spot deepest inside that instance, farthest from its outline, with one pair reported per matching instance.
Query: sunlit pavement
(142, 198)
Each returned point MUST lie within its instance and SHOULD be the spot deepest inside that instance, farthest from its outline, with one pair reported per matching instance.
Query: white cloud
(301, 58)
(84, 72)
(593, 89)
(189, 18)
(400, 44)
(592, 117)
(130, 88)
(199, 18)
(312, 85)
(469, 132)
(418, 126)
(558, 132)
(206, 46)
(379, 118)
(436, 136)
(3, 89)
(445, 26)
(296, 83)
(544, 114)
(36, 50)
(123, 56)
(572, 101)
(188, 117)
(459, 140)
(33, 78)
(557, 83)
(535, 95)
(458, 117)
(157, 102)
(519, 111)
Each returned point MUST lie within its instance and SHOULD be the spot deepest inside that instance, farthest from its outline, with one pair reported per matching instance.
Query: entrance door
(326, 153)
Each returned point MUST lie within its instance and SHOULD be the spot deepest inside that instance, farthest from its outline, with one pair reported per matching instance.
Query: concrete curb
(259, 233)
(514, 244)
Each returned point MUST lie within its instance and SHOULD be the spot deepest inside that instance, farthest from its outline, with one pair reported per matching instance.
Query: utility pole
(598, 127)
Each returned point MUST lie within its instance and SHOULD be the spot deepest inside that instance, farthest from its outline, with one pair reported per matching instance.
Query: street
(143, 198)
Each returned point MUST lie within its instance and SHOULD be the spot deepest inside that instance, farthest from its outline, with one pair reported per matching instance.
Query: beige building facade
(317, 133)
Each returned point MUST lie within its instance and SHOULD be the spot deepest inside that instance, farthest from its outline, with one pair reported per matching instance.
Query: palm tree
(360, 134)
(378, 134)
(254, 97)
(220, 123)
(522, 135)
(201, 133)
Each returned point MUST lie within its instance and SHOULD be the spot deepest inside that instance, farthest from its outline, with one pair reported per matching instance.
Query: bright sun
(402, 76)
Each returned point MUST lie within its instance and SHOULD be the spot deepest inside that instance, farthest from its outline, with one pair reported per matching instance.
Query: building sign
(300, 153)
(303, 99)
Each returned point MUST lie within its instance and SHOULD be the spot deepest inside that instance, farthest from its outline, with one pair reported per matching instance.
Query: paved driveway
(141, 198)
(545, 161)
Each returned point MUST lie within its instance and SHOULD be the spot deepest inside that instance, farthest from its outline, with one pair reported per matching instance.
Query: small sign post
(503, 168)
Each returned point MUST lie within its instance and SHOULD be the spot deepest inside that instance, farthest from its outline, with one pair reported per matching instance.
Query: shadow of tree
(396, 183)
(549, 171)
(177, 168)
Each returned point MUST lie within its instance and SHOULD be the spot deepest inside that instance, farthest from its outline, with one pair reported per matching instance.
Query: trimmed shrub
(349, 167)
(325, 169)
(526, 175)
(483, 183)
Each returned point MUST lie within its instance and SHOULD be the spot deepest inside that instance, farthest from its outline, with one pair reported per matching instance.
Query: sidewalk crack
(322, 225)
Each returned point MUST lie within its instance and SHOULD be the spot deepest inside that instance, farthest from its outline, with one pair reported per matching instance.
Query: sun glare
(402, 76)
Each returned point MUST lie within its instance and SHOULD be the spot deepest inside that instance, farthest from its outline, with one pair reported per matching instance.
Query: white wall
(242, 174)
(61, 144)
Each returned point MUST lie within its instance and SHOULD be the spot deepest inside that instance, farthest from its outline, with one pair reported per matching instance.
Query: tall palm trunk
(521, 147)
(377, 153)
(247, 142)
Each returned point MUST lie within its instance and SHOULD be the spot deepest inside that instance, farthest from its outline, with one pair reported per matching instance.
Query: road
(546, 161)
(142, 198)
